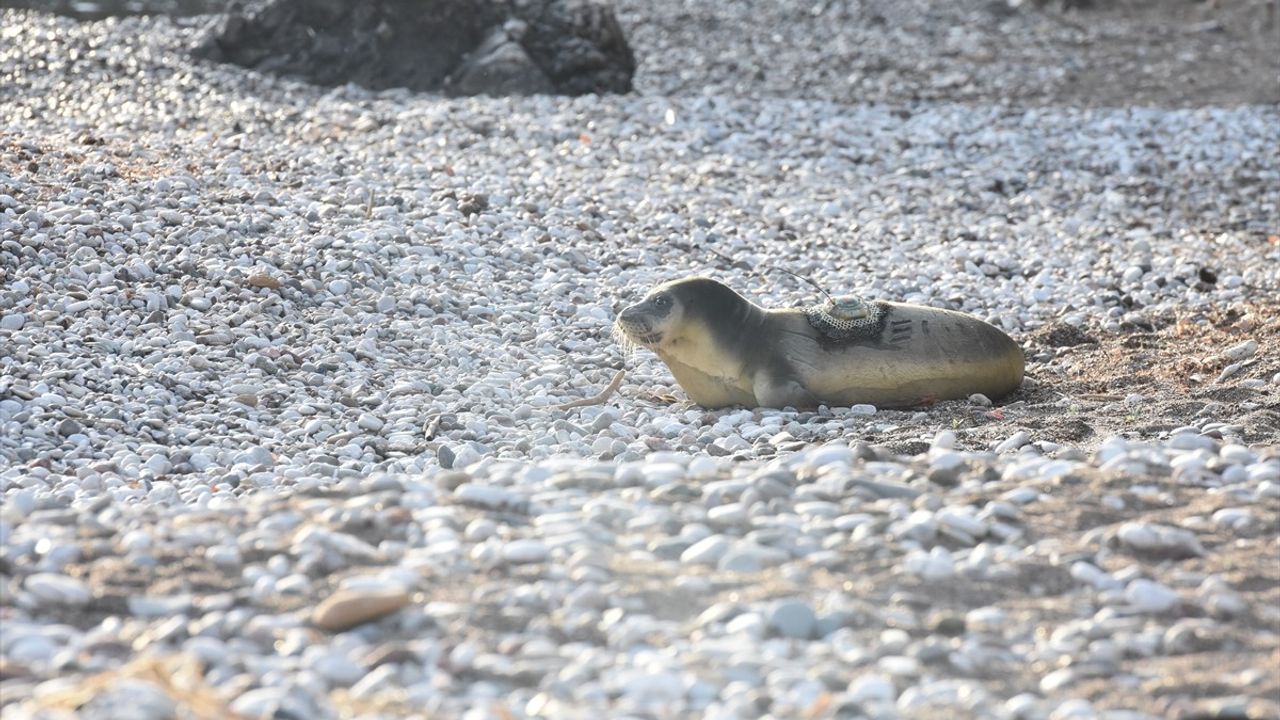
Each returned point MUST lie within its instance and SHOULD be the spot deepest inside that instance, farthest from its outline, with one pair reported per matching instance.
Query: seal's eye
(662, 301)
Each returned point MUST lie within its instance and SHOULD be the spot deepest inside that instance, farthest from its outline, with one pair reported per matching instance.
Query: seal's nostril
(629, 314)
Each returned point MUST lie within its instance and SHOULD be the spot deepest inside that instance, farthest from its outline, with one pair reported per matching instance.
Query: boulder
(461, 47)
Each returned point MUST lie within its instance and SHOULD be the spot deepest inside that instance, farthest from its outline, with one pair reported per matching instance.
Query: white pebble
(525, 551)
(1150, 597)
(58, 589)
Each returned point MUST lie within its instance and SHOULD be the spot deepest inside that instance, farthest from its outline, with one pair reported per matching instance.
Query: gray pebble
(793, 619)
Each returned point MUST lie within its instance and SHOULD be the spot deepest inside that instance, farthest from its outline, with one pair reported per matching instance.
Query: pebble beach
(282, 370)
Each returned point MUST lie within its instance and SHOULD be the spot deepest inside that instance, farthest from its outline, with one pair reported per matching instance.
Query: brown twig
(179, 677)
(598, 399)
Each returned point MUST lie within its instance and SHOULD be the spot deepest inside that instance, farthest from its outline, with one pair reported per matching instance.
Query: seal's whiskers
(629, 346)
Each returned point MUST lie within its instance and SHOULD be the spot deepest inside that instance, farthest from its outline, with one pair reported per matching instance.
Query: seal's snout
(632, 315)
(637, 325)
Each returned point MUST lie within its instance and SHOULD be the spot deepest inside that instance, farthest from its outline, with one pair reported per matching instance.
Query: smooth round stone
(703, 466)
(1024, 706)
(200, 461)
(24, 502)
(524, 551)
(990, 620)
(946, 461)
(751, 624)
(339, 287)
(348, 608)
(57, 555)
(793, 619)
(370, 422)
(1241, 351)
(32, 649)
(134, 698)
(980, 400)
(209, 650)
(58, 589)
(136, 541)
(832, 621)
(962, 519)
(227, 556)
(919, 699)
(254, 456)
(266, 702)
(12, 321)
(899, 665)
(1092, 575)
(1022, 496)
(871, 688)
(707, 551)
(1238, 454)
(1234, 518)
(943, 440)
(650, 686)
(936, 564)
(894, 641)
(748, 557)
(377, 681)
(295, 584)
(1058, 680)
(1266, 471)
(1152, 597)
(1191, 635)
(727, 514)
(732, 443)
(486, 496)
(718, 612)
(832, 454)
(333, 666)
(69, 427)
(158, 465)
(1013, 442)
(1153, 538)
(1192, 441)
(465, 456)
(152, 606)
(668, 548)
(1219, 599)
(1074, 709)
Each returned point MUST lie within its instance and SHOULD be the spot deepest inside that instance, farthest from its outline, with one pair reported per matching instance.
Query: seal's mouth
(638, 332)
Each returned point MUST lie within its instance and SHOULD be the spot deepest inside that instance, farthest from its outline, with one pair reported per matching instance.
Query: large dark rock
(463, 47)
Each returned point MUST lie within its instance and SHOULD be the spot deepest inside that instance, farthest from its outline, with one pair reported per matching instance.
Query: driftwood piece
(598, 399)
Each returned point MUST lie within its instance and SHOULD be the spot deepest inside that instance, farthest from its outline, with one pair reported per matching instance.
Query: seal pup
(725, 350)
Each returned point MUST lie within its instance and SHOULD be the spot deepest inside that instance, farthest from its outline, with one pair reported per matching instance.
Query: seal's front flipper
(775, 393)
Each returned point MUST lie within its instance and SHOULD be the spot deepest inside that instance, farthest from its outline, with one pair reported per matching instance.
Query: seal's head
(655, 318)
(673, 311)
